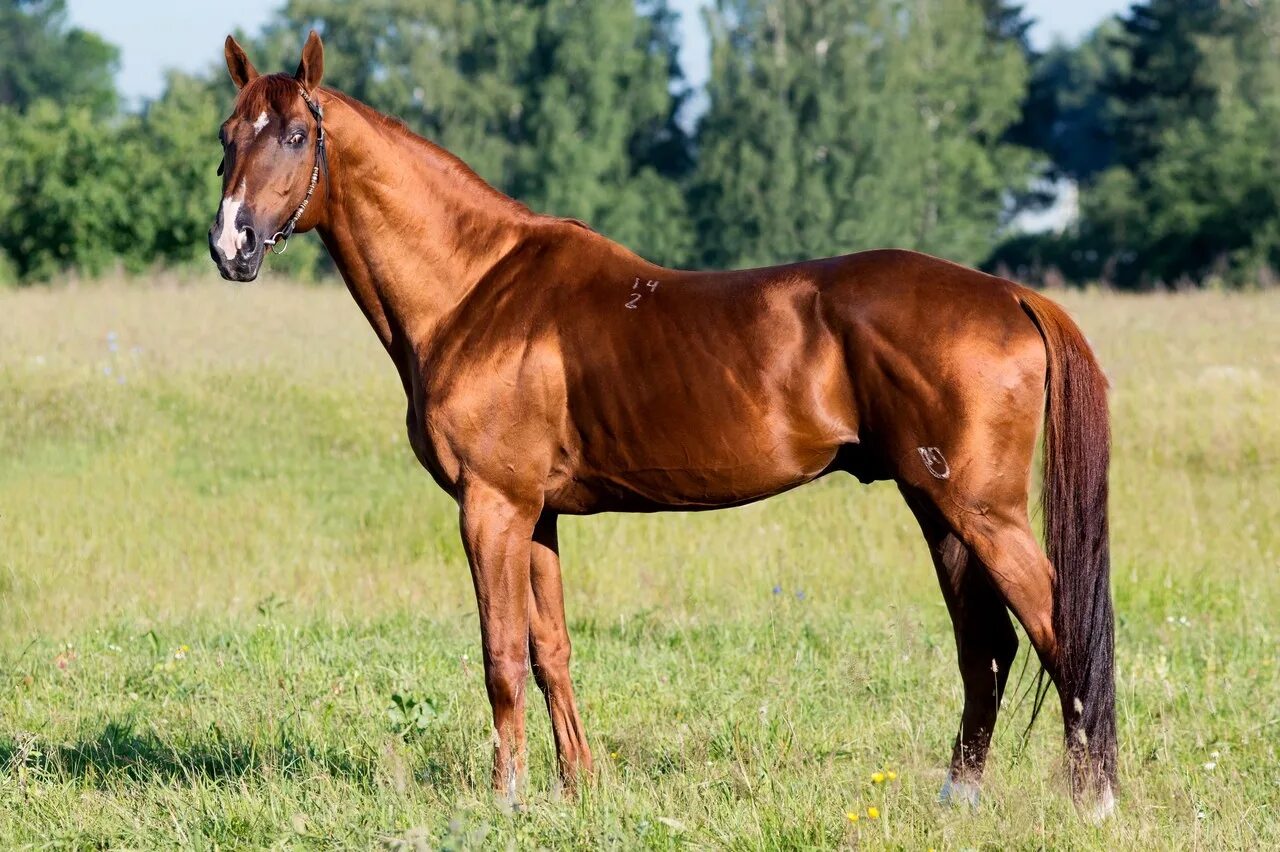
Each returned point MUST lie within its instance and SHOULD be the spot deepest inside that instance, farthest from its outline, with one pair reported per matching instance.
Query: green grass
(215, 575)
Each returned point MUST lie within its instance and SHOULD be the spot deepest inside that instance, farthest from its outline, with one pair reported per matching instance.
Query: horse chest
(488, 436)
(432, 454)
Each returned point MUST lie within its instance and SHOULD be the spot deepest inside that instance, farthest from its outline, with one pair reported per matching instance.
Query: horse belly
(676, 465)
(717, 401)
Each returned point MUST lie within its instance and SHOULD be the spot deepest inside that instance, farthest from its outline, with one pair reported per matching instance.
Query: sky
(156, 35)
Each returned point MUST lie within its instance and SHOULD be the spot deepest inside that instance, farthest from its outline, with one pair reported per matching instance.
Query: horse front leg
(550, 649)
(496, 533)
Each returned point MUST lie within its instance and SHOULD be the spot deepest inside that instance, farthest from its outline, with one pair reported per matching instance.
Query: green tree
(835, 126)
(1160, 83)
(42, 57)
(174, 187)
(1187, 189)
(567, 105)
(1202, 146)
(56, 96)
(1170, 122)
(64, 191)
(1008, 21)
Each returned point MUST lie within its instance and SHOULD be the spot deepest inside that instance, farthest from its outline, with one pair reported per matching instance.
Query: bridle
(281, 237)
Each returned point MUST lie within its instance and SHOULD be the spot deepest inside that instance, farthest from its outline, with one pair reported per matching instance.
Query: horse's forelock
(274, 93)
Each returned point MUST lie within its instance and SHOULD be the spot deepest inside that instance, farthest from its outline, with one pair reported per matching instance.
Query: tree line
(826, 126)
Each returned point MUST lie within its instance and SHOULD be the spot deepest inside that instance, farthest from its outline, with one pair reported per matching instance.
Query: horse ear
(241, 69)
(311, 68)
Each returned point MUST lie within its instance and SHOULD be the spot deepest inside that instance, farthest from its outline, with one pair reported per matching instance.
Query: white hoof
(959, 793)
(1102, 809)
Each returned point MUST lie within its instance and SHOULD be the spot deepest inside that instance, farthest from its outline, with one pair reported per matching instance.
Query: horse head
(273, 156)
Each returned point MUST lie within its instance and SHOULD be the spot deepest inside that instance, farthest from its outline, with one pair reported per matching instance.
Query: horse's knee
(505, 679)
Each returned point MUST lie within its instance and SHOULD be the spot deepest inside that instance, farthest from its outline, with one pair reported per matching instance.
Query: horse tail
(1077, 449)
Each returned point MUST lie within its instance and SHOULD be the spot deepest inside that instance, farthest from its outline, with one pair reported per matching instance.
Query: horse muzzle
(237, 249)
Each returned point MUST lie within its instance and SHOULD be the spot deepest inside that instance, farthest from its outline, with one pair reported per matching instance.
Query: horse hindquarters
(962, 454)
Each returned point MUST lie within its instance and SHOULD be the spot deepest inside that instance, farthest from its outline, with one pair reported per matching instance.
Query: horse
(550, 371)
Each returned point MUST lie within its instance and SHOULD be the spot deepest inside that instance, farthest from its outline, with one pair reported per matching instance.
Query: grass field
(219, 562)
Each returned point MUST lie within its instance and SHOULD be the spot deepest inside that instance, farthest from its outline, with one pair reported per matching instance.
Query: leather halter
(281, 237)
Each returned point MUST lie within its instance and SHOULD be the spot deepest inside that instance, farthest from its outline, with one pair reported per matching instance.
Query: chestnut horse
(550, 371)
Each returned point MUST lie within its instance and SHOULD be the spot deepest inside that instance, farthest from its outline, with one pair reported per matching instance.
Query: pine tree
(1159, 84)
(1008, 21)
(1197, 116)
(1068, 114)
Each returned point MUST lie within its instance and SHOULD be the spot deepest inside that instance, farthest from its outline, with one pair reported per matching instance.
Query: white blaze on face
(260, 123)
(229, 238)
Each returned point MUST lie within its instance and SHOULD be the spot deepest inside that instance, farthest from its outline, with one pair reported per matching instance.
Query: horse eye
(296, 137)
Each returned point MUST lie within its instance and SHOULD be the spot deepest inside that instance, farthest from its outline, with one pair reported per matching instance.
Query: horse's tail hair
(1077, 449)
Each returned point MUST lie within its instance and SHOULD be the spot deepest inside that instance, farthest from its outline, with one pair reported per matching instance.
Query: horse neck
(410, 227)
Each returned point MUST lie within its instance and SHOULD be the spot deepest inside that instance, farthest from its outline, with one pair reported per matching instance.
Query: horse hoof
(963, 794)
(510, 796)
(1101, 809)
(508, 805)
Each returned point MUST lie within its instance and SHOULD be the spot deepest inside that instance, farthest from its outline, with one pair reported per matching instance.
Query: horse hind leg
(1024, 576)
(969, 490)
(986, 645)
(966, 449)
(1000, 539)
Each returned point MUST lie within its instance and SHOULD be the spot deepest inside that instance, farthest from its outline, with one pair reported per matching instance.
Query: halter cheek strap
(281, 237)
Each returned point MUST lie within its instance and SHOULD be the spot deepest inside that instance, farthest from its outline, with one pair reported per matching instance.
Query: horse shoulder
(493, 409)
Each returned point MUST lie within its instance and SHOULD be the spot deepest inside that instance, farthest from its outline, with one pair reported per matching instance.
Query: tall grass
(219, 562)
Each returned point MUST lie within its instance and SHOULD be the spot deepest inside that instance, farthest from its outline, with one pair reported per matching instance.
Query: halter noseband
(281, 237)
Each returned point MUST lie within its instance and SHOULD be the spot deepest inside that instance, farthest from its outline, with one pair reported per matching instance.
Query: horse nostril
(250, 244)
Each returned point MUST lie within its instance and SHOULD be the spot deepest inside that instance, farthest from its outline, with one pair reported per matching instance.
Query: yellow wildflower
(891, 775)
(873, 812)
(853, 817)
(877, 777)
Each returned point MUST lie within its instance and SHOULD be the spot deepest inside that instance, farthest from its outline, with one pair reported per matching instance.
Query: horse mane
(437, 155)
(276, 91)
